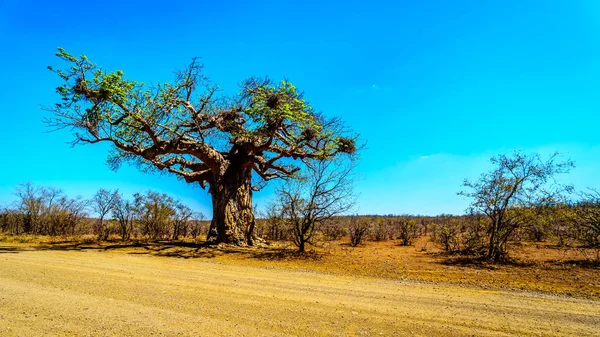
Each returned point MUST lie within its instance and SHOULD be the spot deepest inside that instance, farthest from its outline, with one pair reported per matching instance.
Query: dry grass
(537, 267)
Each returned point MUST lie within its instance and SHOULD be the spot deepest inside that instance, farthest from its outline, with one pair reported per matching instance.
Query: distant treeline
(155, 216)
(564, 225)
(569, 224)
(48, 211)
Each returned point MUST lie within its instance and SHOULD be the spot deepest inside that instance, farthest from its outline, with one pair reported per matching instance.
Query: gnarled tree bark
(233, 219)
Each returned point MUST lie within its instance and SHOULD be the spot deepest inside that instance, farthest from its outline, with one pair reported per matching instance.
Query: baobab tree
(232, 145)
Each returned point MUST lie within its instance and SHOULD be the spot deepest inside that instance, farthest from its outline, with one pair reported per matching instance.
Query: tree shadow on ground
(264, 253)
(482, 263)
(178, 249)
(591, 264)
(9, 250)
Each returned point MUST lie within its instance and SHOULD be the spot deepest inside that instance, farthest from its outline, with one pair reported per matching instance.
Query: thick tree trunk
(124, 232)
(233, 219)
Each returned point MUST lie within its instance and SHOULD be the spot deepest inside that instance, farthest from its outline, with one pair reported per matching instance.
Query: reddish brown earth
(377, 289)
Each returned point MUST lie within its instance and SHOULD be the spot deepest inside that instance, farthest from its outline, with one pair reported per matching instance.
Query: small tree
(102, 203)
(63, 214)
(10, 220)
(30, 204)
(123, 210)
(50, 210)
(197, 225)
(181, 216)
(516, 184)
(274, 225)
(325, 191)
(357, 229)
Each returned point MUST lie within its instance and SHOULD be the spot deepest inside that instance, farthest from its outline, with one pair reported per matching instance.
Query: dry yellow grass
(538, 266)
(266, 292)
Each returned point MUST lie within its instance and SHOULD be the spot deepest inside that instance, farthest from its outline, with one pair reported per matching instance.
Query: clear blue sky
(434, 87)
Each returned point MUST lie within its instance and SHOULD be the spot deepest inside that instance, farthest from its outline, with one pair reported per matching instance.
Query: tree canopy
(187, 129)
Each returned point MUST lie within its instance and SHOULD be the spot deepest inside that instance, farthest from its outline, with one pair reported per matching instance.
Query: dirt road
(91, 293)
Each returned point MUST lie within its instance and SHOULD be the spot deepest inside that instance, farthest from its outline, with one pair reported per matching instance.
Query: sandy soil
(105, 293)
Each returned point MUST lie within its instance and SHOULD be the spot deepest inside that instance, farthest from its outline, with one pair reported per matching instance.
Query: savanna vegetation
(47, 211)
(516, 204)
(234, 145)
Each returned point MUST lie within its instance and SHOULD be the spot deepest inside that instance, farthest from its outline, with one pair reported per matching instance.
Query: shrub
(357, 229)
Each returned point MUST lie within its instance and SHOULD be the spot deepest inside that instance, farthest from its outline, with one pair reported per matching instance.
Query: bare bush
(407, 231)
(357, 229)
(124, 212)
(102, 203)
(325, 192)
(381, 229)
(587, 218)
(154, 212)
(45, 211)
(48, 211)
(273, 227)
(334, 228)
(447, 233)
(557, 223)
(462, 235)
(181, 215)
(10, 220)
(64, 215)
(30, 204)
(198, 226)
